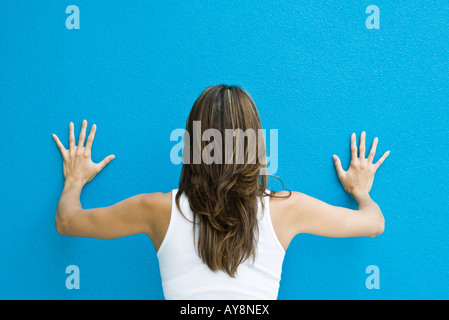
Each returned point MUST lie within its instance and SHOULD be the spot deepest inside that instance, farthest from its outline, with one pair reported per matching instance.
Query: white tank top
(185, 275)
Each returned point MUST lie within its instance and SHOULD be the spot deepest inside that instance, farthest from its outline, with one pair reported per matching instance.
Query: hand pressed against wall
(78, 163)
(360, 175)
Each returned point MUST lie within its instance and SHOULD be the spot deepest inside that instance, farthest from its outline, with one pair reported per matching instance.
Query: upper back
(185, 276)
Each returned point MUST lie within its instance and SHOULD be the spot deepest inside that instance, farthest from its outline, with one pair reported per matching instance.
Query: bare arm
(358, 181)
(313, 216)
(134, 215)
(305, 214)
(138, 214)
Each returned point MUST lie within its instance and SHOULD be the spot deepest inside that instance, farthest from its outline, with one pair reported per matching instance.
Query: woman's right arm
(147, 213)
(305, 214)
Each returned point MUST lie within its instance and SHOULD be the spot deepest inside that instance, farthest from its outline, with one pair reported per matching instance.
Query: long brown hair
(223, 196)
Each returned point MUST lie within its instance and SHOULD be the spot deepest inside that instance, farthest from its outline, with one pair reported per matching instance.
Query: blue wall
(316, 73)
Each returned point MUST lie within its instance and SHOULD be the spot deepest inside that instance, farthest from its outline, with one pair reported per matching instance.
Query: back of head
(223, 182)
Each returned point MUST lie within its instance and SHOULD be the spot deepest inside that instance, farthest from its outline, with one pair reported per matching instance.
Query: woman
(221, 234)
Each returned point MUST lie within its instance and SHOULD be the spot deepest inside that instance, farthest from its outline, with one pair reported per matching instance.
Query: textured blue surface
(316, 73)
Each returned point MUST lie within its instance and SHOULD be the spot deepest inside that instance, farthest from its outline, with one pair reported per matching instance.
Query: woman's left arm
(138, 214)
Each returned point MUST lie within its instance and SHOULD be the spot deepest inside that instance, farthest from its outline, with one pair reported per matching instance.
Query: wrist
(359, 194)
(74, 182)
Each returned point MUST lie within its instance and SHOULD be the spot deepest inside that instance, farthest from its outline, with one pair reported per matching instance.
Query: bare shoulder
(158, 208)
(157, 200)
(281, 208)
(283, 201)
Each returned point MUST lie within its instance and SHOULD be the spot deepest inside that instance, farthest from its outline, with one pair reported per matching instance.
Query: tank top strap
(267, 222)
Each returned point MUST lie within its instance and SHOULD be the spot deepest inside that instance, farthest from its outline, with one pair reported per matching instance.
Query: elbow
(378, 229)
(62, 226)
